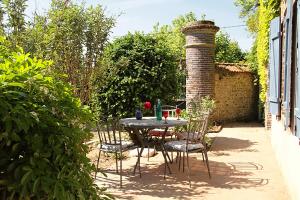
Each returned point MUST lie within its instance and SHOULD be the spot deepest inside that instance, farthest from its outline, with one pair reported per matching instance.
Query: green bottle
(158, 110)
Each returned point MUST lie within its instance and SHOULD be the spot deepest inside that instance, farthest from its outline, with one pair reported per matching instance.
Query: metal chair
(158, 133)
(192, 141)
(110, 138)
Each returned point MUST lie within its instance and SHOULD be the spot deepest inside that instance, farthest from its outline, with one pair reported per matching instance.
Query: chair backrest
(109, 132)
(170, 109)
(197, 128)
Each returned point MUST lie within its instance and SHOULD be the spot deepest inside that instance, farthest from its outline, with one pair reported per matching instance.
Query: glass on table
(178, 111)
(165, 115)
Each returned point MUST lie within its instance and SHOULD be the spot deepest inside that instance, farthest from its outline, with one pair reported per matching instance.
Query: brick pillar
(200, 54)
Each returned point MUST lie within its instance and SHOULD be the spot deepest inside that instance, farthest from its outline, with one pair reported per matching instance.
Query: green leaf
(16, 84)
(36, 185)
(26, 177)
(15, 137)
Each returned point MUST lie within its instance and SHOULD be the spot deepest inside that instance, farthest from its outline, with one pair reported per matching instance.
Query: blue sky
(141, 15)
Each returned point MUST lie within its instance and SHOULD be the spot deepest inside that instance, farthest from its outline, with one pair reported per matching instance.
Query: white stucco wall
(287, 150)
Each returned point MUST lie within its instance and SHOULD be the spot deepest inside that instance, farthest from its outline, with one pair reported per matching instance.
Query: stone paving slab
(242, 162)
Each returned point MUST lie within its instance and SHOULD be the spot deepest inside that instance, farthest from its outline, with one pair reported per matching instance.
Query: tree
(227, 50)
(135, 68)
(15, 10)
(172, 36)
(249, 12)
(74, 38)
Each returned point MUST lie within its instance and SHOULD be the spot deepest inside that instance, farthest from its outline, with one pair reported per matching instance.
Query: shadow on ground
(224, 175)
(235, 166)
(229, 144)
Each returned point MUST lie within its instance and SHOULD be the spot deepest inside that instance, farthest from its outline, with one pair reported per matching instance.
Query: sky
(142, 15)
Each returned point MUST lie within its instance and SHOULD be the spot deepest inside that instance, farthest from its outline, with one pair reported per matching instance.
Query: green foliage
(267, 11)
(73, 37)
(172, 36)
(42, 130)
(258, 15)
(199, 105)
(228, 50)
(249, 11)
(251, 58)
(135, 68)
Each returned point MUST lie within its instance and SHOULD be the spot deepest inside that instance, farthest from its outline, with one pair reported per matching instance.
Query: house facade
(284, 92)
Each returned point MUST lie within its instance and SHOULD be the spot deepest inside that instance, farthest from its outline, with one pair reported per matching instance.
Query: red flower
(147, 105)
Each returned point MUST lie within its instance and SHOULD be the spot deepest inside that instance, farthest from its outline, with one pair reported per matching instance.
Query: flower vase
(138, 114)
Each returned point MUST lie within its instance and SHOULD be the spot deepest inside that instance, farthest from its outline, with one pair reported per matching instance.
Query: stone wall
(236, 95)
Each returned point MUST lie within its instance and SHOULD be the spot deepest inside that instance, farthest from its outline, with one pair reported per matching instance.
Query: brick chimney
(200, 54)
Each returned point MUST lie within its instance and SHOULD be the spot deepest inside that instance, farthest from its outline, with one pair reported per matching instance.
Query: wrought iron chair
(110, 138)
(158, 133)
(192, 141)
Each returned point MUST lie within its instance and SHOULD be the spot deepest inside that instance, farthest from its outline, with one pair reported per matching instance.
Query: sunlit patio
(242, 163)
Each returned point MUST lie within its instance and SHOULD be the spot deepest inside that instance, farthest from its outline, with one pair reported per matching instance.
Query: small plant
(199, 105)
(207, 104)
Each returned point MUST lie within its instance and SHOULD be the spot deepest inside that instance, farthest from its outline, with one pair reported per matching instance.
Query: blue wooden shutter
(287, 66)
(274, 62)
(297, 89)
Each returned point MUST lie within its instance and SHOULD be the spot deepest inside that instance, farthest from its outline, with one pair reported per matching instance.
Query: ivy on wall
(267, 11)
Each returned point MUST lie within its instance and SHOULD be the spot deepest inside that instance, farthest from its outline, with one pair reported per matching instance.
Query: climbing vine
(267, 11)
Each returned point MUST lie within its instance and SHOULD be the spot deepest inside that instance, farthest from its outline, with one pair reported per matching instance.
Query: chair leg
(121, 169)
(148, 153)
(207, 164)
(97, 164)
(202, 156)
(183, 162)
(140, 165)
(116, 154)
(188, 168)
(172, 151)
(179, 161)
(165, 171)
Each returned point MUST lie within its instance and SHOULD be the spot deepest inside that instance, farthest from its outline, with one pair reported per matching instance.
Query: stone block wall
(236, 95)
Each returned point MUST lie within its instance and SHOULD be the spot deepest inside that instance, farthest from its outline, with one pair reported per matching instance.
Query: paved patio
(242, 163)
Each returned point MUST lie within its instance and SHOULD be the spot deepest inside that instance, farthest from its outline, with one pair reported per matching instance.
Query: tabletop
(151, 122)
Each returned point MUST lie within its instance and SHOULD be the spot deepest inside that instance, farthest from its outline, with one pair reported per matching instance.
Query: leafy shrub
(199, 105)
(135, 68)
(42, 130)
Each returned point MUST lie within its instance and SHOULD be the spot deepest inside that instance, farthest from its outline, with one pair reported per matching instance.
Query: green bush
(42, 130)
(135, 68)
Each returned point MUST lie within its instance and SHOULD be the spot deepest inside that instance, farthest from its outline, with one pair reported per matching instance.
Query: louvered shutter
(297, 106)
(287, 67)
(274, 61)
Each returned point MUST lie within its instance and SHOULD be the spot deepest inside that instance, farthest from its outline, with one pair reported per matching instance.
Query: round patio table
(141, 128)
